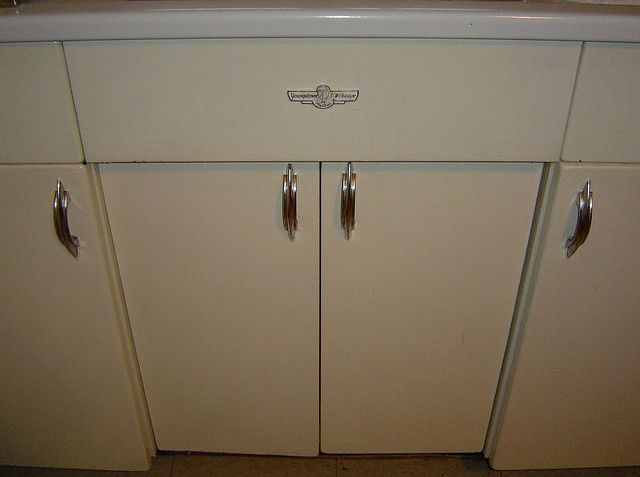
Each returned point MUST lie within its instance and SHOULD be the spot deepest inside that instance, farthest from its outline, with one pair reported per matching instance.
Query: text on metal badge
(323, 97)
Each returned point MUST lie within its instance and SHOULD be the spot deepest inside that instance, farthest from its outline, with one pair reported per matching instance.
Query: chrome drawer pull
(348, 201)
(61, 221)
(289, 205)
(583, 223)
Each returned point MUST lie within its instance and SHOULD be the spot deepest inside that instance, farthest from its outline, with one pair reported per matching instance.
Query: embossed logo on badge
(323, 97)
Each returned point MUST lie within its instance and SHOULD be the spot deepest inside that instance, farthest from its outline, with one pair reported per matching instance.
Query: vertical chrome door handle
(61, 221)
(289, 205)
(583, 223)
(348, 201)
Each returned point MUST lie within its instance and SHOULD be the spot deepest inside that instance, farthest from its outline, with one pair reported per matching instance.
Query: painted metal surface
(71, 395)
(572, 397)
(416, 306)
(226, 100)
(37, 119)
(605, 113)
(223, 306)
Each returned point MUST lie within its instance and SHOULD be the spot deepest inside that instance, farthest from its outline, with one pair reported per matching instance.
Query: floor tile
(428, 466)
(601, 472)
(160, 467)
(186, 465)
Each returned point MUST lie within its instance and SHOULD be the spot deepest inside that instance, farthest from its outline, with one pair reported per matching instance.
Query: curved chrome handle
(289, 205)
(583, 223)
(60, 220)
(348, 201)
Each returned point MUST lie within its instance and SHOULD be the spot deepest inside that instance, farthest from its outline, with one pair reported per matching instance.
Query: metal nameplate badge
(323, 97)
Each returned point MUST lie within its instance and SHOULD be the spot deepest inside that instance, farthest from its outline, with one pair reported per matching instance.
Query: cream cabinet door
(573, 394)
(223, 305)
(70, 393)
(416, 306)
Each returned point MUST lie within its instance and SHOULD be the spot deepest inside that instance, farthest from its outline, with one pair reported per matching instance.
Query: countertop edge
(451, 19)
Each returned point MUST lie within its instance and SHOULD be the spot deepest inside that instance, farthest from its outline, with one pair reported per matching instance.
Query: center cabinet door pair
(250, 342)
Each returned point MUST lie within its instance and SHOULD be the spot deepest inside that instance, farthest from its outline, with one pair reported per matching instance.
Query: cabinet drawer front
(605, 115)
(227, 100)
(416, 306)
(38, 123)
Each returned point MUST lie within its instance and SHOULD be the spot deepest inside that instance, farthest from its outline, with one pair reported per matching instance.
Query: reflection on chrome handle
(60, 220)
(348, 201)
(289, 206)
(583, 223)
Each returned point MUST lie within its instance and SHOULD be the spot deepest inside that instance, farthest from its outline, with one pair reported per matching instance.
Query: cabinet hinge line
(573, 93)
(547, 180)
(73, 103)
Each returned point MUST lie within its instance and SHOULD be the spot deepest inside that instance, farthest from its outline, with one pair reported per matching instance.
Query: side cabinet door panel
(416, 306)
(223, 305)
(70, 393)
(573, 395)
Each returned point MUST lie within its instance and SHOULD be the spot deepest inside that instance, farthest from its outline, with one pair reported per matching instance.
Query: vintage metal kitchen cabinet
(71, 394)
(415, 307)
(572, 393)
(318, 231)
(572, 396)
